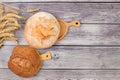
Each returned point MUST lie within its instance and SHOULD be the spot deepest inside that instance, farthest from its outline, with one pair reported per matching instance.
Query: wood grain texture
(87, 34)
(60, 0)
(74, 57)
(85, 12)
(100, 26)
(6, 74)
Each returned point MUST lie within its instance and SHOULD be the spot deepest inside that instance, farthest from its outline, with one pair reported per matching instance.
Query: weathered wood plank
(6, 74)
(74, 57)
(60, 0)
(85, 12)
(87, 34)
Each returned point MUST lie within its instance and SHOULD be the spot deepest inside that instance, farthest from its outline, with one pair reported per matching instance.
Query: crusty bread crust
(31, 23)
(24, 61)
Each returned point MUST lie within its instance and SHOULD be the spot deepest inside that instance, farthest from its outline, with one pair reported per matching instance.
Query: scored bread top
(41, 30)
(24, 61)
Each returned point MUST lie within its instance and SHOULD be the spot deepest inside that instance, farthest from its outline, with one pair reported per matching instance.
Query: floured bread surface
(41, 30)
(24, 61)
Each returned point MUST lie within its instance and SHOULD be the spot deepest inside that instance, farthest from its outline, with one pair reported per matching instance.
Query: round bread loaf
(24, 61)
(41, 30)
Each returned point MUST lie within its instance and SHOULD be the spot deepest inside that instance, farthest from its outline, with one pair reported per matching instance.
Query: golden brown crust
(24, 61)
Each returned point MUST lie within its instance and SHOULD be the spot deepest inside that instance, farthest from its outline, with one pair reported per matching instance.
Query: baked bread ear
(41, 30)
(24, 61)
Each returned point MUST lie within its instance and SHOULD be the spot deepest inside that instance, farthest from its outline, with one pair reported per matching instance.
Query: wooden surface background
(91, 52)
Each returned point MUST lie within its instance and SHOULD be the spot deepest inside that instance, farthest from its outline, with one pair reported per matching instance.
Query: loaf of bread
(24, 61)
(41, 30)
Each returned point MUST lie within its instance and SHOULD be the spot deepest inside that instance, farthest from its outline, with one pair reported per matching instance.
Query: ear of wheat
(9, 22)
(32, 10)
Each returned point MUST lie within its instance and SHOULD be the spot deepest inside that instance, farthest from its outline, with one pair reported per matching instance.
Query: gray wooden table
(91, 52)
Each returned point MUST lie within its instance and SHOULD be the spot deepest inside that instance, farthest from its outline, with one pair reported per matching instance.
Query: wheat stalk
(12, 11)
(6, 35)
(11, 15)
(1, 9)
(9, 22)
(9, 29)
(32, 10)
(7, 38)
(9, 6)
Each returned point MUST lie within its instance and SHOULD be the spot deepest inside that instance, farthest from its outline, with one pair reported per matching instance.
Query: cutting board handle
(74, 23)
(46, 56)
